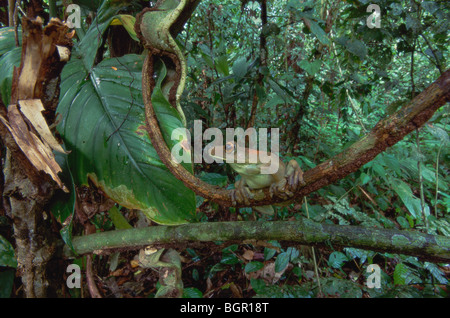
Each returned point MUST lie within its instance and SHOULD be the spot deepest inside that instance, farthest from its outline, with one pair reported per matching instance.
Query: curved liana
(103, 125)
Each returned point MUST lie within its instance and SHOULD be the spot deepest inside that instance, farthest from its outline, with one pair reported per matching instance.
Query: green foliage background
(325, 79)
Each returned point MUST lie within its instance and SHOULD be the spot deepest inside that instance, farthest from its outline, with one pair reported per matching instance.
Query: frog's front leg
(241, 193)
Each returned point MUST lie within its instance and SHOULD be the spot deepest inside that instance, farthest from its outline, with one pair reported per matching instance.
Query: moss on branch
(425, 246)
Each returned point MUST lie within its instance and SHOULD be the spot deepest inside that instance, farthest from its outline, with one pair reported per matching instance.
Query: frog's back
(258, 181)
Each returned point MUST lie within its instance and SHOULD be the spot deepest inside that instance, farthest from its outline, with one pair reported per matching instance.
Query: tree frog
(256, 174)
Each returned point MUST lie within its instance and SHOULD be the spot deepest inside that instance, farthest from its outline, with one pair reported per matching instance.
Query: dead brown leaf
(248, 255)
(38, 153)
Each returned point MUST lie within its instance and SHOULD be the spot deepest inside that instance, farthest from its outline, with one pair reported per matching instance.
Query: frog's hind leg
(241, 193)
(291, 181)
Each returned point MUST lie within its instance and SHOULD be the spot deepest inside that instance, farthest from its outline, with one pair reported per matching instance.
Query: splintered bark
(27, 188)
(305, 232)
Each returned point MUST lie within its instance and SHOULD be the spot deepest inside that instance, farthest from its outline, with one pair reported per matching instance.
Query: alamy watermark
(216, 152)
(74, 279)
(374, 279)
(374, 20)
(74, 16)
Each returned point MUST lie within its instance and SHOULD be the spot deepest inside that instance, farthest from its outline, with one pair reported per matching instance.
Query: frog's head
(241, 158)
(233, 153)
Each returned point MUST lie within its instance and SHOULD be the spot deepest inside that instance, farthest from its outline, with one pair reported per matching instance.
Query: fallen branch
(306, 232)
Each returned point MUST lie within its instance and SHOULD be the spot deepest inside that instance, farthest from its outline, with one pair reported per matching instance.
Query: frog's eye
(229, 147)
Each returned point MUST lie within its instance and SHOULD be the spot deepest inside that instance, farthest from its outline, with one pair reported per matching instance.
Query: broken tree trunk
(30, 169)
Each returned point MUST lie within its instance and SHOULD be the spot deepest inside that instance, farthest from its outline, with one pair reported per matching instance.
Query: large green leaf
(405, 193)
(121, 161)
(356, 47)
(311, 67)
(437, 273)
(93, 39)
(282, 261)
(222, 65)
(9, 57)
(6, 283)
(240, 68)
(119, 221)
(8, 39)
(7, 63)
(404, 275)
(319, 32)
(337, 259)
(281, 92)
(7, 255)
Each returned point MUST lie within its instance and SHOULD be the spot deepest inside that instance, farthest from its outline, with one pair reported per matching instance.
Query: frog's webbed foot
(294, 176)
(286, 187)
(241, 194)
(278, 189)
